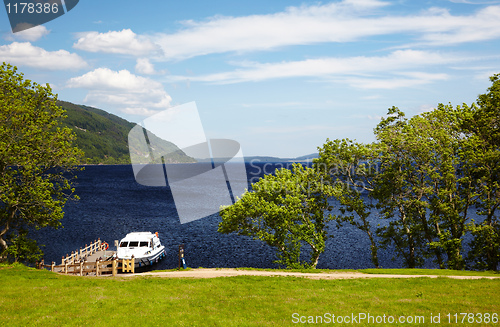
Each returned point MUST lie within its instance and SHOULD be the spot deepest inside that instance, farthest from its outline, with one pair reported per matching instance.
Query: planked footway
(92, 260)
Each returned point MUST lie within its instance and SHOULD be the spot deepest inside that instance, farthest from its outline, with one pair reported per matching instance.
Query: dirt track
(226, 272)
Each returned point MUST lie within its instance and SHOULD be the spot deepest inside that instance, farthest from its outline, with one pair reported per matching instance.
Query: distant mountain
(308, 157)
(103, 137)
(305, 158)
(265, 159)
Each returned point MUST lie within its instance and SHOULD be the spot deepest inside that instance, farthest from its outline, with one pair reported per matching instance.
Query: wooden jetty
(92, 260)
(96, 249)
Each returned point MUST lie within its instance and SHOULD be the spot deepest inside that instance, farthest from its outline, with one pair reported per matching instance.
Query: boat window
(133, 244)
(123, 244)
(144, 244)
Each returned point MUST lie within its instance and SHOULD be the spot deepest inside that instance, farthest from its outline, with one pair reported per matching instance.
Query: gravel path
(227, 272)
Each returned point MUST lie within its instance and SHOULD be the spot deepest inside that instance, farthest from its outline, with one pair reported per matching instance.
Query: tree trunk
(374, 249)
(437, 251)
(315, 259)
(411, 261)
(3, 244)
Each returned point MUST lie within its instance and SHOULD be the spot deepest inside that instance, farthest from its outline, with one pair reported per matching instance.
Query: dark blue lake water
(113, 204)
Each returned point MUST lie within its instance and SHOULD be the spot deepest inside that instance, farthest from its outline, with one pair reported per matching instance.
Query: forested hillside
(104, 137)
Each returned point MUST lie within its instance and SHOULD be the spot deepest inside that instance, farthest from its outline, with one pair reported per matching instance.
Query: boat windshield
(144, 244)
(123, 244)
(133, 244)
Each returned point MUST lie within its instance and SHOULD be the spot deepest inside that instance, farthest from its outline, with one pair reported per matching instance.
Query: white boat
(144, 246)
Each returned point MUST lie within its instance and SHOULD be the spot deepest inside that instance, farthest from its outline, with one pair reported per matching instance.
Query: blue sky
(280, 77)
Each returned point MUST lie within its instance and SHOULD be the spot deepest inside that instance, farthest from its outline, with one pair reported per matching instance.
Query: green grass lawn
(37, 297)
(438, 272)
(423, 272)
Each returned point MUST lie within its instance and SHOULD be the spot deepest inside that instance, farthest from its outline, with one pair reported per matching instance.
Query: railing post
(52, 266)
(113, 271)
(133, 264)
(81, 268)
(66, 268)
(97, 267)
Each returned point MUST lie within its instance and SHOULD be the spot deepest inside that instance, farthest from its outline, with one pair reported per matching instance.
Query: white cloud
(344, 21)
(332, 22)
(369, 117)
(425, 108)
(411, 80)
(145, 67)
(25, 54)
(341, 69)
(486, 74)
(446, 30)
(122, 42)
(476, 2)
(31, 34)
(122, 90)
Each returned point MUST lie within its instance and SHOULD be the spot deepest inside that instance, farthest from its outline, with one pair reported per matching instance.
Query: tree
(425, 173)
(483, 126)
(37, 160)
(420, 175)
(425, 180)
(285, 210)
(350, 166)
(23, 249)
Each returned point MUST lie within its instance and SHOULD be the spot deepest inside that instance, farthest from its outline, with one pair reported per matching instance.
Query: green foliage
(23, 249)
(37, 158)
(425, 181)
(285, 210)
(99, 134)
(484, 253)
(483, 126)
(424, 173)
(350, 166)
(486, 120)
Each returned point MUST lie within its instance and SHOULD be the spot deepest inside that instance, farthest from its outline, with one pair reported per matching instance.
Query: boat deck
(102, 255)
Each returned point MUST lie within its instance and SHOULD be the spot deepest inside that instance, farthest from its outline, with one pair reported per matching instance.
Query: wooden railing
(85, 268)
(80, 255)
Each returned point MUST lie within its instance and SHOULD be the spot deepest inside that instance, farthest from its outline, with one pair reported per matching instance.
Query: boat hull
(144, 247)
(150, 259)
